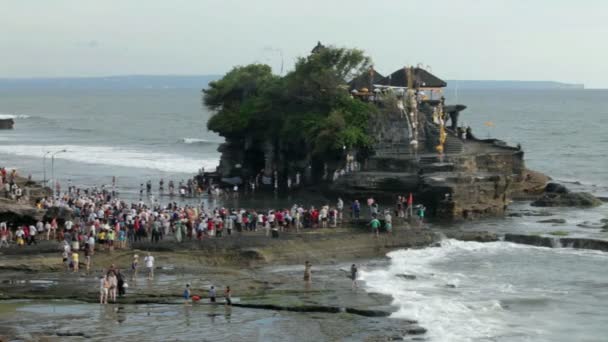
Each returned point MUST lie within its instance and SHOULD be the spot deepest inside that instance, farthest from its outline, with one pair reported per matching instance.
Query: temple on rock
(418, 147)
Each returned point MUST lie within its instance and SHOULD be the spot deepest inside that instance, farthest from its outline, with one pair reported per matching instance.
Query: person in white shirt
(91, 242)
(149, 261)
(40, 228)
(340, 208)
(32, 238)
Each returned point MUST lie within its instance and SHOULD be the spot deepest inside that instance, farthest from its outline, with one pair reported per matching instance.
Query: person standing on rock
(111, 276)
(212, 294)
(75, 260)
(121, 284)
(353, 275)
(356, 208)
(421, 210)
(134, 266)
(228, 296)
(40, 229)
(186, 294)
(4, 235)
(104, 287)
(66, 255)
(388, 222)
(19, 235)
(375, 225)
(32, 236)
(370, 204)
(149, 261)
(340, 207)
(307, 272)
(87, 256)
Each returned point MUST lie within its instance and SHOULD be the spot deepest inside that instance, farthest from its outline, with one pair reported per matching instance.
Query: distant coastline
(200, 81)
(500, 84)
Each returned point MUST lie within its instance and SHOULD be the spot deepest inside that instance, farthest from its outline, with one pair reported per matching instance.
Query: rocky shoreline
(248, 263)
(265, 274)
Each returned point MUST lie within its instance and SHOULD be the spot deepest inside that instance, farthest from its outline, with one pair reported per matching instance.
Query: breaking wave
(117, 156)
(199, 141)
(14, 116)
(467, 303)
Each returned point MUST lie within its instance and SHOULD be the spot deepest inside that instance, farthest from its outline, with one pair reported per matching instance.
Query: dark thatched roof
(422, 78)
(365, 80)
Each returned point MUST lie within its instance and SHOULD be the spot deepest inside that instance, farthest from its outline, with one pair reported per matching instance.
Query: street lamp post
(53, 167)
(44, 167)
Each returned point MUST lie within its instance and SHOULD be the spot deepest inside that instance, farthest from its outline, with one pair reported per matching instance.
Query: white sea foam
(455, 306)
(428, 299)
(14, 116)
(116, 156)
(199, 141)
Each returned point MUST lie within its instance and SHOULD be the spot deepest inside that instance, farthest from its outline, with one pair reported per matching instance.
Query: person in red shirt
(279, 218)
(314, 215)
(210, 226)
(220, 227)
(245, 220)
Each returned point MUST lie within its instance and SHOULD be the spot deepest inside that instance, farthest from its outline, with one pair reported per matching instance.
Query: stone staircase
(453, 145)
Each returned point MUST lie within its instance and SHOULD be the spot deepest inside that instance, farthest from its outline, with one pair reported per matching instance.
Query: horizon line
(32, 78)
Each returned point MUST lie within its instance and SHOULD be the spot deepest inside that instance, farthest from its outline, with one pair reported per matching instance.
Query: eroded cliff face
(457, 188)
(474, 178)
(479, 186)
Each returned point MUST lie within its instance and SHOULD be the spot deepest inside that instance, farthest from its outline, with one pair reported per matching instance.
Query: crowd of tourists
(98, 220)
(86, 221)
(8, 184)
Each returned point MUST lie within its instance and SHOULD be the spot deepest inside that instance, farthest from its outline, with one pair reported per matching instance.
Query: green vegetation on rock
(309, 110)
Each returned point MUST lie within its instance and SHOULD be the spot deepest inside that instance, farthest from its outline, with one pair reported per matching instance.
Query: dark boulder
(556, 188)
(568, 199)
(479, 236)
(583, 243)
(407, 276)
(415, 330)
(7, 123)
(555, 220)
(534, 240)
(367, 313)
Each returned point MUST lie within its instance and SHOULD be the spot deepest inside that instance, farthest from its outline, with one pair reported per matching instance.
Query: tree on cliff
(307, 113)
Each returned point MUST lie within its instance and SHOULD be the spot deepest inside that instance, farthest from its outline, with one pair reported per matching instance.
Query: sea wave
(14, 116)
(117, 156)
(200, 141)
(455, 305)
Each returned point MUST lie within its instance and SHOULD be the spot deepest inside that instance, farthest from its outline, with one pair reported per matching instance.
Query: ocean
(464, 291)
(134, 135)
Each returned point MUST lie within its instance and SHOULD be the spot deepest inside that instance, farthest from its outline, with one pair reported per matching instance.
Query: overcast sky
(561, 40)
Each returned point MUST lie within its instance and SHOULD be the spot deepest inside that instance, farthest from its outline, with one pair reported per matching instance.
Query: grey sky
(560, 40)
